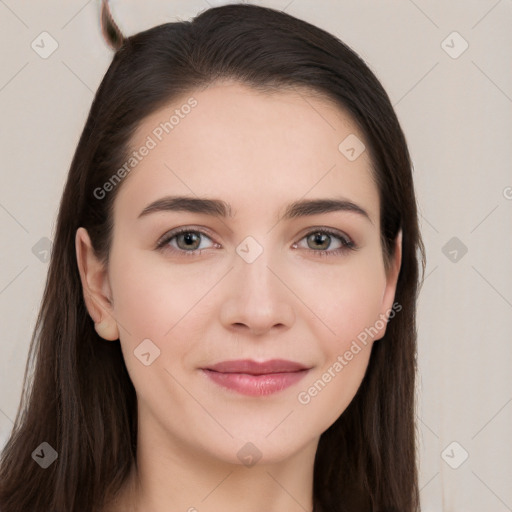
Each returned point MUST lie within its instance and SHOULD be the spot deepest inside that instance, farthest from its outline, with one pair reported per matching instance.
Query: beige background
(456, 113)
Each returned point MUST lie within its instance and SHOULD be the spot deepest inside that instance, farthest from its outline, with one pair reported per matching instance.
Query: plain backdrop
(446, 67)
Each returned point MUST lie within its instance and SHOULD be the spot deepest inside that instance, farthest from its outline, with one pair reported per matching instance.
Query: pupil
(189, 238)
(320, 238)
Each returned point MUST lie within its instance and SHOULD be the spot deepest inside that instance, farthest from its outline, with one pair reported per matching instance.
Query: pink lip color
(256, 379)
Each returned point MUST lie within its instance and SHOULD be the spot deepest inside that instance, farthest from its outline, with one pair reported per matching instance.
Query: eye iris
(191, 240)
(321, 239)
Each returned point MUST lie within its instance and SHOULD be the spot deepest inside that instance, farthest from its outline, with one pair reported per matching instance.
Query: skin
(258, 152)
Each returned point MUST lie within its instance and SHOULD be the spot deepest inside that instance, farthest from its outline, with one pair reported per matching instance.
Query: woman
(229, 316)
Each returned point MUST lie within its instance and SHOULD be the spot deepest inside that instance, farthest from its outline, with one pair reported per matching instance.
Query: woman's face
(253, 284)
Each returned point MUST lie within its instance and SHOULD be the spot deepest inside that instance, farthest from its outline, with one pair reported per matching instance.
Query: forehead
(251, 149)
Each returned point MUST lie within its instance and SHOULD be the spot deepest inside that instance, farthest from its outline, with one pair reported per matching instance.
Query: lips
(255, 368)
(256, 378)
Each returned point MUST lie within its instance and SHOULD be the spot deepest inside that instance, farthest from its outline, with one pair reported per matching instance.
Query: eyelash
(347, 243)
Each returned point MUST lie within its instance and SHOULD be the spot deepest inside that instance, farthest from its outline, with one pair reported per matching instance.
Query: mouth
(256, 378)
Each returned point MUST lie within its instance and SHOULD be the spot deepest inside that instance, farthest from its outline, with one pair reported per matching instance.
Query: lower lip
(256, 385)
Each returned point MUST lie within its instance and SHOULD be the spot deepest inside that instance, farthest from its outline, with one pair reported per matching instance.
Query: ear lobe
(93, 275)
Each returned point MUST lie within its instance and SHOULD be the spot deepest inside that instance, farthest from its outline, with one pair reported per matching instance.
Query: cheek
(350, 306)
(166, 304)
(152, 305)
(324, 398)
(345, 298)
(151, 298)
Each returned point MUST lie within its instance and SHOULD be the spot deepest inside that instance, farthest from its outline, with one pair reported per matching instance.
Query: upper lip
(257, 368)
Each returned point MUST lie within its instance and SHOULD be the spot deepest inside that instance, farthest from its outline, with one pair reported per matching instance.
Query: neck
(193, 481)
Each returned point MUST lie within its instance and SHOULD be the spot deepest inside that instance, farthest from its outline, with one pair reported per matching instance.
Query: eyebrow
(219, 208)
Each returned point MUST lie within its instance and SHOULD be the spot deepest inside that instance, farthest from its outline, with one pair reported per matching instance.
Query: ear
(95, 286)
(388, 295)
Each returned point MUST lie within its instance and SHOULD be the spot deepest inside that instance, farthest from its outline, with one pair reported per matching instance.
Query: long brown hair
(77, 394)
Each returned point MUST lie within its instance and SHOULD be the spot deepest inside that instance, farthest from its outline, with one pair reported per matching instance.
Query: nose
(257, 297)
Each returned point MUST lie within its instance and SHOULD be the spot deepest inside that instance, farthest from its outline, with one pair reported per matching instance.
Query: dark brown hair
(77, 394)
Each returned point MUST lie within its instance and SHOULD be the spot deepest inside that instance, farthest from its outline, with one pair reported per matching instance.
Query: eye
(320, 239)
(186, 241)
